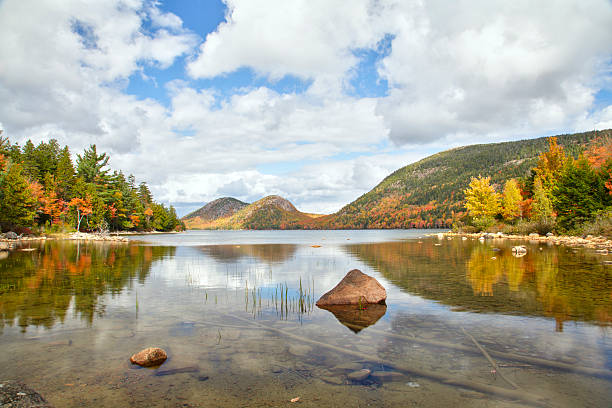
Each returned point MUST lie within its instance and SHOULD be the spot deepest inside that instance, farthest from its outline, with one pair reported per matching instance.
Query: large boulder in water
(355, 288)
(149, 357)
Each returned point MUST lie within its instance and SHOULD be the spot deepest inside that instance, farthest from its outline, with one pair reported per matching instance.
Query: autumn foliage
(39, 186)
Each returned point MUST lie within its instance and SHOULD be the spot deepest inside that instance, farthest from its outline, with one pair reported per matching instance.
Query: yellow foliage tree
(541, 207)
(550, 165)
(481, 199)
(511, 200)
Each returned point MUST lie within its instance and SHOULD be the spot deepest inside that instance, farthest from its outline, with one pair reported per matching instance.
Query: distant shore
(598, 243)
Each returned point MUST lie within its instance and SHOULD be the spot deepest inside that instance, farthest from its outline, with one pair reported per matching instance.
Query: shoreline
(600, 243)
(6, 243)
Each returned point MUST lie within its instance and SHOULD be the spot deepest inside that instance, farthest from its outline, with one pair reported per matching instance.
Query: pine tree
(511, 200)
(64, 175)
(28, 161)
(579, 195)
(144, 194)
(17, 203)
(46, 156)
(90, 166)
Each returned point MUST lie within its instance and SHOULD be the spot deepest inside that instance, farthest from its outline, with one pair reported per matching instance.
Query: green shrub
(541, 227)
(483, 223)
(600, 226)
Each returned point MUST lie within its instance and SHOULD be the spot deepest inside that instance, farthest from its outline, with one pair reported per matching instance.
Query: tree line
(42, 190)
(562, 193)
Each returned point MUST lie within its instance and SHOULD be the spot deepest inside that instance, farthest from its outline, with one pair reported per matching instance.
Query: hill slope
(271, 212)
(427, 193)
(219, 208)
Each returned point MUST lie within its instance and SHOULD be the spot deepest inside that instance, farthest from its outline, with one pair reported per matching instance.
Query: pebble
(359, 375)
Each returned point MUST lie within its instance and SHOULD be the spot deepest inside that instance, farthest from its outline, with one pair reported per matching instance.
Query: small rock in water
(359, 375)
(149, 357)
(413, 384)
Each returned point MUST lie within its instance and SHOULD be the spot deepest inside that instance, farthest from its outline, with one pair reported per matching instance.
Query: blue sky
(315, 100)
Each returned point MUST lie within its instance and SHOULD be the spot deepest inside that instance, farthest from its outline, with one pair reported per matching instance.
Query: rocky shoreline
(601, 244)
(10, 240)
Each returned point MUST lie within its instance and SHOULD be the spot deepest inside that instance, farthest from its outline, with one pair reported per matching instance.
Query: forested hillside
(41, 189)
(203, 217)
(429, 193)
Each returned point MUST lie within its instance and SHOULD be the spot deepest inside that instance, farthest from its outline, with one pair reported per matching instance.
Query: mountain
(219, 208)
(429, 193)
(425, 194)
(271, 212)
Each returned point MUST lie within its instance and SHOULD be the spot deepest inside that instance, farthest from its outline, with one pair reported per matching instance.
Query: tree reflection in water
(37, 288)
(555, 282)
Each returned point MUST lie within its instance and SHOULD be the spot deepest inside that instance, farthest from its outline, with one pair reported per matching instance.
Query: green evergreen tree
(28, 161)
(64, 175)
(144, 194)
(17, 204)
(91, 165)
(579, 194)
(46, 158)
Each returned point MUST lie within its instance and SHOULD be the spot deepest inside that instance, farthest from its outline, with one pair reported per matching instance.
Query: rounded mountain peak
(279, 202)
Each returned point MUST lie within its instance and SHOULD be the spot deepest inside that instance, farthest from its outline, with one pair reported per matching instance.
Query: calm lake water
(235, 312)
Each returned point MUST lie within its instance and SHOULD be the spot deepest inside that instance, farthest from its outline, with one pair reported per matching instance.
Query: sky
(314, 100)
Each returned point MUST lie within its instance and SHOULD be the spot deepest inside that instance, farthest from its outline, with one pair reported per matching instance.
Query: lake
(466, 323)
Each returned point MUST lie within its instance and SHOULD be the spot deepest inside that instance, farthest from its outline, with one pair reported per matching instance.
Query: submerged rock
(387, 375)
(355, 288)
(359, 375)
(18, 395)
(149, 357)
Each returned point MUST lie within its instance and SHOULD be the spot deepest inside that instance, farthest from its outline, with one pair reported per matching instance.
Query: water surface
(235, 311)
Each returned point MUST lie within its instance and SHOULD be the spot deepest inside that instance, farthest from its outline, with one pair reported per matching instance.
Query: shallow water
(235, 312)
